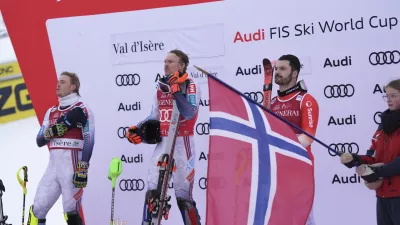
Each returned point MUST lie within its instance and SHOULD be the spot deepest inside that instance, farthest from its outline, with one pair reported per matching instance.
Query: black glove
(367, 173)
(80, 176)
(56, 130)
(2, 188)
(74, 118)
(350, 160)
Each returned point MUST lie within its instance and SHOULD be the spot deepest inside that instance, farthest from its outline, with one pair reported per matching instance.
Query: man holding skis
(68, 130)
(294, 104)
(175, 85)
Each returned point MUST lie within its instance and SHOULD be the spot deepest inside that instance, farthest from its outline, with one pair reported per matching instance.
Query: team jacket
(188, 106)
(300, 109)
(81, 139)
(386, 149)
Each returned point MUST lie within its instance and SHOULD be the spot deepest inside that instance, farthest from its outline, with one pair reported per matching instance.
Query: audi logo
(256, 96)
(203, 183)
(203, 128)
(127, 79)
(344, 148)
(122, 132)
(377, 117)
(382, 58)
(339, 91)
(165, 115)
(131, 185)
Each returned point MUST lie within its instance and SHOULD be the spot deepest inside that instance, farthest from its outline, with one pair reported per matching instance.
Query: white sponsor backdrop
(101, 47)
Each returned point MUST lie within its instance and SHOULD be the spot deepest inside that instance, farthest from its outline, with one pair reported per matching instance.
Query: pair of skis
(267, 87)
(159, 207)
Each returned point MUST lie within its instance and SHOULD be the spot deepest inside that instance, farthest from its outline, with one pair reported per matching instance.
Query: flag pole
(272, 113)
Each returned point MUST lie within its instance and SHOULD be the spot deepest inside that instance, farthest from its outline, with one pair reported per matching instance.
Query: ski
(267, 87)
(160, 207)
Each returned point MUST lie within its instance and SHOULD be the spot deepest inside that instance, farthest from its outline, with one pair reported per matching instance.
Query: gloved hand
(80, 176)
(367, 173)
(132, 135)
(374, 185)
(55, 130)
(350, 160)
(175, 80)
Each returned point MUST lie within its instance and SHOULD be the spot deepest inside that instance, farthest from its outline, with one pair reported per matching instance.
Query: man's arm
(369, 158)
(189, 105)
(309, 119)
(88, 132)
(40, 140)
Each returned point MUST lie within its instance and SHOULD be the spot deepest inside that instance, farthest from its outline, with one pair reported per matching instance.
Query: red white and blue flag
(258, 172)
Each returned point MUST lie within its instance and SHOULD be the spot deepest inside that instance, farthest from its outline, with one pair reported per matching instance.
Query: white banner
(347, 57)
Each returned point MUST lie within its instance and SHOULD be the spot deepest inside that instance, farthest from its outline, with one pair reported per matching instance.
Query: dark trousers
(388, 211)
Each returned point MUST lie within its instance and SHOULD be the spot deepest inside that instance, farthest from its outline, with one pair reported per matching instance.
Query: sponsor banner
(9, 69)
(150, 46)
(15, 102)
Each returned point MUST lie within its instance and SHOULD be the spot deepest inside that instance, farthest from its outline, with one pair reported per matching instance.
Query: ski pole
(113, 173)
(22, 182)
(272, 113)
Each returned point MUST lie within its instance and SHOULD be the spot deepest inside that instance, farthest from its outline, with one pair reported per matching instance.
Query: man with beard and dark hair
(294, 104)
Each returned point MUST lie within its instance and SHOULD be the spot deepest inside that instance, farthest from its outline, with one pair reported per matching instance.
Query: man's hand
(56, 130)
(80, 176)
(367, 173)
(132, 135)
(350, 160)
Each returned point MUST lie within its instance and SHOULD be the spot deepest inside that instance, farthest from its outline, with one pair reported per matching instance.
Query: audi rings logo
(382, 58)
(122, 132)
(344, 148)
(256, 96)
(203, 128)
(377, 117)
(131, 185)
(127, 79)
(339, 91)
(203, 183)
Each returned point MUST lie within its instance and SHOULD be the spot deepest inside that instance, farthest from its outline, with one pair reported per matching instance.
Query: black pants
(388, 211)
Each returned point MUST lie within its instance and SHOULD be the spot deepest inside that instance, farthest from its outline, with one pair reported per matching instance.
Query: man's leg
(383, 212)
(47, 193)
(184, 179)
(394, 204)
(152, 181)
(71, 196)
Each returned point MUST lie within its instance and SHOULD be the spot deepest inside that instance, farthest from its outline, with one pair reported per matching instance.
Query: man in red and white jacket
(68, 131)
(174, 85)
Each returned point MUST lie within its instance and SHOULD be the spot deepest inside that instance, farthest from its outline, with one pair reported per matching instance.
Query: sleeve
(309, 119)
(369, 158)
(88, 132)
(390, 169)
(154, 113)
(40, 140)
(188, 106)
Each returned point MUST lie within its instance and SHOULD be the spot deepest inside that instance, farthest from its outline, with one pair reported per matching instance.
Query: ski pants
(388, 211)
(56, 181)
(185, 157)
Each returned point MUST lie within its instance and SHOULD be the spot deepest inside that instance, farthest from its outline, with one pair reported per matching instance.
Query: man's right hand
(55, 130)
(350, 160)
(132, 135)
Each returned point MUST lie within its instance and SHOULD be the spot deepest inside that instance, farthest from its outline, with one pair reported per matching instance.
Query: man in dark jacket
(380, 167)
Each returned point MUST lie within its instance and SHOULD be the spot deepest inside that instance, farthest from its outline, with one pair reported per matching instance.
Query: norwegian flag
(258, 172)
